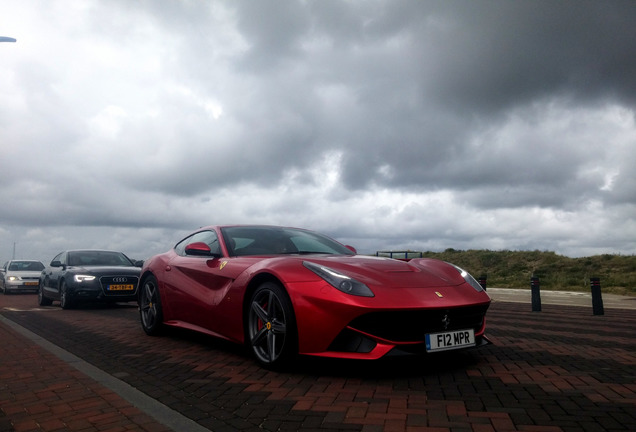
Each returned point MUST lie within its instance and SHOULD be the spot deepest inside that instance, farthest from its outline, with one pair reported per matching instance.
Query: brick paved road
(40, 392)
(561, 369)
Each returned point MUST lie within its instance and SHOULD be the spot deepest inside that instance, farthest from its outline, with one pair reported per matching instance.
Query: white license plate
(450, 340)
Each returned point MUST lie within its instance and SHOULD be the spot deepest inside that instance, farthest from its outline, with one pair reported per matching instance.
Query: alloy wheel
(150, 306)
(271, 326)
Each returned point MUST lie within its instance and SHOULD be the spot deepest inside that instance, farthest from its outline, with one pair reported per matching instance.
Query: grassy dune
(513, 269)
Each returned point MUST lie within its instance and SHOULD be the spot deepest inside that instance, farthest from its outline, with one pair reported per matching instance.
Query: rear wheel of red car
(42, 300)
(150, 310)
(65, 297)
(271, 326)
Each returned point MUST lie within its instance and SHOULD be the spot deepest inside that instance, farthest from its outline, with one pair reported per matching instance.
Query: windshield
(263, 240)
(98, 258)
(26, 266)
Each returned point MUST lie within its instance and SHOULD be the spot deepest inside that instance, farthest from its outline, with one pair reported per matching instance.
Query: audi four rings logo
(120, 279)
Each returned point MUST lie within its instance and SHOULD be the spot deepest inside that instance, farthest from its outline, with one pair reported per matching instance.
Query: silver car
(20, 276)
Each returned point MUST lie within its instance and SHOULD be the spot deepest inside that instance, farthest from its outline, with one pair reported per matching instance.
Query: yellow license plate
(121, 287)
(32, 283)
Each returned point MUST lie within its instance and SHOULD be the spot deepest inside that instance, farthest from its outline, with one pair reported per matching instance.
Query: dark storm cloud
(451, 66)
(497, 54)
(417, 79)
(271, 31)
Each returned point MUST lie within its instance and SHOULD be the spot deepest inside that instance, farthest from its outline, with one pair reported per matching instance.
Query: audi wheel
(66, 300)
(42, 299)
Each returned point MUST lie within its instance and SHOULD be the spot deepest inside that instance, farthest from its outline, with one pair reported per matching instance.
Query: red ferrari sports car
(287, 291)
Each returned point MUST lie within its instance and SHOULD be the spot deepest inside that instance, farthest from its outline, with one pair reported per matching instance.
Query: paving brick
(544, 373)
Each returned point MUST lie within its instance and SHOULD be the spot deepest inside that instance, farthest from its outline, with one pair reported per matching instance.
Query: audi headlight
(340, 281)
(83, 278)
(468, 278)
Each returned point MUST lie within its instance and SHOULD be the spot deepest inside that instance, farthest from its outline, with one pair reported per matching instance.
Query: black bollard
(597, 300)
(482, 281)
(536, 294)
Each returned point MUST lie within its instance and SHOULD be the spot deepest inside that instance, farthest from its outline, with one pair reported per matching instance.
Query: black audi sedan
(77, 276)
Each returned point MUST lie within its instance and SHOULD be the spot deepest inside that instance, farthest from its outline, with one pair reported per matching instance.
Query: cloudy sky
(389, 125)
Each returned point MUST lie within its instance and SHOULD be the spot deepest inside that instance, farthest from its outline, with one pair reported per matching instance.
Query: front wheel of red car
(271, 326)
(150, 310)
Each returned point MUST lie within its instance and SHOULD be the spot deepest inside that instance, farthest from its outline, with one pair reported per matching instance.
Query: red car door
(196, 285)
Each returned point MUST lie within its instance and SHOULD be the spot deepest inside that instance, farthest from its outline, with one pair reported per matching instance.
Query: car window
(97, 258)
(61, 257)
(243, 241)
(311, 244)
(36, 266)
(26, 266)
(208, 237)
(180, 247)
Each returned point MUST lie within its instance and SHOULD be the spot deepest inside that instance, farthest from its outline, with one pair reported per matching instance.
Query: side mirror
(56, 264)
(352, 249)
(138, 263)
(199, 249)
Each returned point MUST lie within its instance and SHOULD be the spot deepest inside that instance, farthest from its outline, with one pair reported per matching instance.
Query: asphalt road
(561, 369)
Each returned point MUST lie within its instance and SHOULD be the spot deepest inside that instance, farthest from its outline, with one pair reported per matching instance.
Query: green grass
(513, 269)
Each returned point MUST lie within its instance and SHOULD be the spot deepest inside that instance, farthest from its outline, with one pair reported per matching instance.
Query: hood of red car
(417, 273)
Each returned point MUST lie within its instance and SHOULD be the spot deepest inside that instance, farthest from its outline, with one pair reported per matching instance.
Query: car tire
(42, 299)
(66, 300)
(271, 333)
(150, 310)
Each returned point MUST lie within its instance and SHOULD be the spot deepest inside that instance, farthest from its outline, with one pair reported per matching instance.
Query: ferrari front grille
(413, 325)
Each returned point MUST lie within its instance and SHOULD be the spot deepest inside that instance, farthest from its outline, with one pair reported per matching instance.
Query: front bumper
(84, 293)
(342, 326)
(95, 292)
(103, 289)
(21, 286)
(372, 336)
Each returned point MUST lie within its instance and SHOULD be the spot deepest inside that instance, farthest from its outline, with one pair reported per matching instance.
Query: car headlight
(14, 278)
(83, 278)
(340, 281)
(468, 278)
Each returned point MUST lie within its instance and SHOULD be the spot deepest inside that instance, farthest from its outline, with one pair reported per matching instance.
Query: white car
(20, 276)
